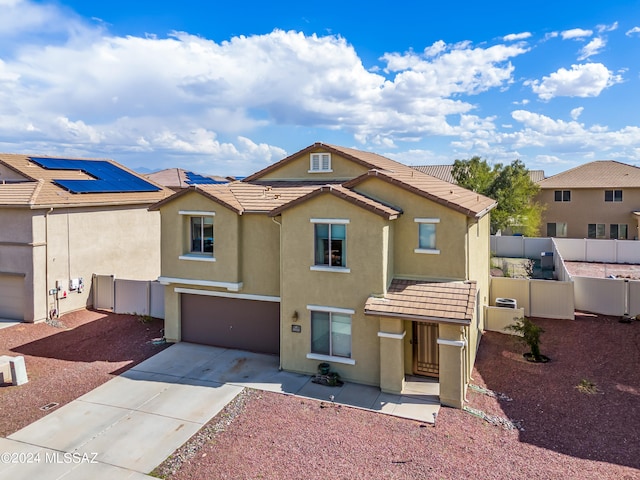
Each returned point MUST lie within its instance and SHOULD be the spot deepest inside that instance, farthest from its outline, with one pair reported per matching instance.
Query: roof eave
(418, 318)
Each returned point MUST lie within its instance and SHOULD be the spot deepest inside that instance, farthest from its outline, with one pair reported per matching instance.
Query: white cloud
(592, 48)
(516, 36)
(576, 112)
(633, 31)
(585, 80)
(541, 130)
(575, 33)
(607, 28)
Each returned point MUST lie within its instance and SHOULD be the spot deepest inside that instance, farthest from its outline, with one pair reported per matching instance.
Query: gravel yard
(65, 362)
(566, 432)
(577, 415)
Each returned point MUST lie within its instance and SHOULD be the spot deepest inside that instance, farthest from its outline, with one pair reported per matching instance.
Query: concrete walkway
(129, 425)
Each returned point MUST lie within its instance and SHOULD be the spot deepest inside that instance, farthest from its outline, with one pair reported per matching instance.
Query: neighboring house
(178, 178)
(333, 255)
(63, 220)
(596, 200)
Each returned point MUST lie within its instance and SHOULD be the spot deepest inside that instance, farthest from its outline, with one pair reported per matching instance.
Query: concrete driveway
(129, 425)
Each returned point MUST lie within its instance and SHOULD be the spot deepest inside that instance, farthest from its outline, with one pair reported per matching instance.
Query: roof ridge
(36, 191)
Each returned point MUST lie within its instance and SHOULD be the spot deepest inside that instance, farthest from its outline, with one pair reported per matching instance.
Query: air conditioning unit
(506, 302)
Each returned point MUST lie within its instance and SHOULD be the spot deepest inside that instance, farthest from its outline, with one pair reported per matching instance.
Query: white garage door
(11, 297)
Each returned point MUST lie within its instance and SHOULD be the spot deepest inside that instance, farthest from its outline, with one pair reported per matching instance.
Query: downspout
(280, 267)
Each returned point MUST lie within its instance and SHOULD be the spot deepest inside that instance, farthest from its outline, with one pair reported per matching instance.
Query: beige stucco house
(333, 255)
(596, 200)
(63, 220)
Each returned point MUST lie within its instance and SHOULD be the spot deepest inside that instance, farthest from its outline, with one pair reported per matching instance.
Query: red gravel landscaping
(566, 432)
(66, 362)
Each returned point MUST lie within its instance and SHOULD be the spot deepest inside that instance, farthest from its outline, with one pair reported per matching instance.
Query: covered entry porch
(423, 332)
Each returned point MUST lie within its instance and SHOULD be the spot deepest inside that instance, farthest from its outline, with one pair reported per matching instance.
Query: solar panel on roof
(108, 177)
(195, 179)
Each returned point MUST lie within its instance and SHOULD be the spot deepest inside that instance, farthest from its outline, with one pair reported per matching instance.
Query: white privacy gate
(141, 297)
(103, 292)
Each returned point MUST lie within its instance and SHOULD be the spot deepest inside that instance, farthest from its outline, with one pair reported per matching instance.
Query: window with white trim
(613, 195)
(320, 162)
(331, 334)
(199, 235)
(330, 244)
(557, 229)
(427, 228)
(596, 230)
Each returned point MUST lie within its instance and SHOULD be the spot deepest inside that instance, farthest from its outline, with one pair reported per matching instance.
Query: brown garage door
(231, 323)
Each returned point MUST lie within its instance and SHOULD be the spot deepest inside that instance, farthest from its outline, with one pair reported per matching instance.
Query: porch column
(391, 335)
(451, 346)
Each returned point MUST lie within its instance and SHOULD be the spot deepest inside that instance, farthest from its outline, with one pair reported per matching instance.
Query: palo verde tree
(511, 186)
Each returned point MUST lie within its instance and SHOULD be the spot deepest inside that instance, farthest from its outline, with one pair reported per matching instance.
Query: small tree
(510, 185)
(530, 336)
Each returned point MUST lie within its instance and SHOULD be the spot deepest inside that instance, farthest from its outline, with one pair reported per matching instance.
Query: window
(199, 236)
(618, 231)
(596, 230)
(331, 334)
(330, 243)
(613, 195)
(320, 162)
(558, 229)
(562, 195)
(427, 235)
(202, 235)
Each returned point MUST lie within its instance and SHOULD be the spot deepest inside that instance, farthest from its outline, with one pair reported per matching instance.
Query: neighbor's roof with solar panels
(39, 181)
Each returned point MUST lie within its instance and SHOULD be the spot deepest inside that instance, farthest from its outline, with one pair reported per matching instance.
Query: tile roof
(447, 302)
(465, 201)
(598, 174)
(367, 159)
(246, 197)
(46, 193)
(19, 193)
(356, 198)
(176, 178)
(443, 172)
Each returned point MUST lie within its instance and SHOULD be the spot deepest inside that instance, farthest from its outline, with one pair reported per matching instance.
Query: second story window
(320, 162)
(613, 195)
(562, 195)
(202, 235)
(427, 235)
(330, 243)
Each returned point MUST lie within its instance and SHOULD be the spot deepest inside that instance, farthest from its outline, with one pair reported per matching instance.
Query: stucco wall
(260, 255)
(298, 169)
(17, 252)
(450, 263)
(301, 286)
(175, 241)
(588, 206)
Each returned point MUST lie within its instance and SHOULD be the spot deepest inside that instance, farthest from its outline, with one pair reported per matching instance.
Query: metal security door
(425, 349)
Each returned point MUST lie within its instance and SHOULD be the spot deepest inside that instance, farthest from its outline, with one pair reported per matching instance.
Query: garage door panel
(12, 297)
(231, 323)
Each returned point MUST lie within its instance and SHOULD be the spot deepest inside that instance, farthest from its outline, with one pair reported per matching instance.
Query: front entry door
(425, 349)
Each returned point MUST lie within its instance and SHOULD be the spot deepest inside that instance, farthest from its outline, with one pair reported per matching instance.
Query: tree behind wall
(511, 186)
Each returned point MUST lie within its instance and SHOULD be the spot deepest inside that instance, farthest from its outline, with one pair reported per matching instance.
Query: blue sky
(227, 88)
